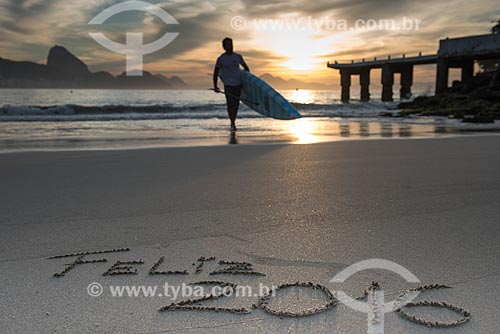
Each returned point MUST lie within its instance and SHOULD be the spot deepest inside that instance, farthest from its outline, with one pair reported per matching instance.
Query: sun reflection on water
(303, 130)
(302, 96)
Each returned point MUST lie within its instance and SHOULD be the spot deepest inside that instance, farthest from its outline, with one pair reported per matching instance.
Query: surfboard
(264, 99)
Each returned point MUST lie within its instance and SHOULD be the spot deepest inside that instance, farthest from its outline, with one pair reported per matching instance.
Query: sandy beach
(294, 212)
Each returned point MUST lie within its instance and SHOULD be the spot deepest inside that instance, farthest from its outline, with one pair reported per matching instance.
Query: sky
(291, 39)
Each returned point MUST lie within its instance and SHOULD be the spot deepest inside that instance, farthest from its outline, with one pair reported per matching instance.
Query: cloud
(25, 23)
(30, 27)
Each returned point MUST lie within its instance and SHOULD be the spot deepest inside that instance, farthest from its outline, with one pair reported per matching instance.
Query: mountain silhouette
(61, 59)
(65, 70)
(280, 83)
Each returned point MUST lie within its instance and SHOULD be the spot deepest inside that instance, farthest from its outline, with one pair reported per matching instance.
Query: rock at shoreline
(481, 106)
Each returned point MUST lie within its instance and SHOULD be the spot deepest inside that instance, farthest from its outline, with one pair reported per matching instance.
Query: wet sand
(295, 212)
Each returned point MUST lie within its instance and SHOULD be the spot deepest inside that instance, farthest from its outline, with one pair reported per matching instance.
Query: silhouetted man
(228, 67)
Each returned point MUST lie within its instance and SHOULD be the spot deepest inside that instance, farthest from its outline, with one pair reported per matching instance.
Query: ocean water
(109, 119)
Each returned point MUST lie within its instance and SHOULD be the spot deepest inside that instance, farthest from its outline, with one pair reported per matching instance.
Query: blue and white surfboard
(264, 99)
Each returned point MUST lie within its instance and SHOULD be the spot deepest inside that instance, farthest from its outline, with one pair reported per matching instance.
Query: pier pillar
(345, 82)
(467, 72)
(364, 80)
(442, 76)
(387, 83)
(406, 81)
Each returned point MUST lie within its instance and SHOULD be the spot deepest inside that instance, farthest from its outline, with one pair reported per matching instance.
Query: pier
(453, 53)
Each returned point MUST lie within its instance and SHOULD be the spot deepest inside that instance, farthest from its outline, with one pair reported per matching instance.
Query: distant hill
(280, 83)
(175, 81)
(62, 60)
(65, 70)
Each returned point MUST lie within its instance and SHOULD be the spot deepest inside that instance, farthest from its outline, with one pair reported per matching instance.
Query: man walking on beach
(228, 67)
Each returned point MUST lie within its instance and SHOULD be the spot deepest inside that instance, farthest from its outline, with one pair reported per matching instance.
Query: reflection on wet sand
(315, 130)
(405, 131)
(345, 130)
(440, 129)
(304, 130)
(233, 140)
(386, 130)
(364, 129)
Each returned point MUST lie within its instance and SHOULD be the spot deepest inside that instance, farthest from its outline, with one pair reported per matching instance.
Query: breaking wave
(167, 111)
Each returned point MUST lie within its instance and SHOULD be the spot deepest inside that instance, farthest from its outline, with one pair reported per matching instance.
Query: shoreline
(241, 138)
(204, 144)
